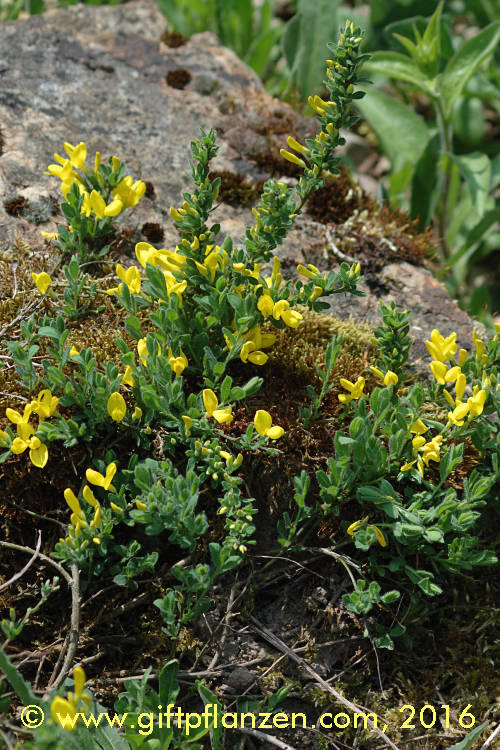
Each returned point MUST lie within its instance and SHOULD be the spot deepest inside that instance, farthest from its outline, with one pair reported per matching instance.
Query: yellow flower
(73, 351)
(127, 378)
(263, 424)
(45, 404)
(380, 537)
(99, 207)
(462, 357)
(42, 281)
(390, 377)
(460, 387)
(281, 310)
(39, 454)
(77, 154)
(74, 505)
(17, 418)
(355, 390)
(456, 416)
(145, 253)
(292, 143)
(452, 374)
(439, 370)
(178, 364)
(291, 157)
(430, 452)
(131, 277)
(129, 192)
(90, 498)
(174, 214)
(249, 352)
(188, 423)
(211, 404)
(255, 341)
(64, 710)
(265, 305)
(94, 477)
(440, 348)
(142, 348)
(418, 427)
(137, 413)
(140, 505)
(476, 403)
(26, 438)
(116, 406)
(352, 528)
(316, 292)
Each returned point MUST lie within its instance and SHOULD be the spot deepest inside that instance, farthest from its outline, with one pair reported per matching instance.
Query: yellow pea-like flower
(95, 477)
(42, 281)
(264, 425)
(116, 406)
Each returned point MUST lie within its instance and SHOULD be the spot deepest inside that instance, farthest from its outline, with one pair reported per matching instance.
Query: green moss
(303, 348)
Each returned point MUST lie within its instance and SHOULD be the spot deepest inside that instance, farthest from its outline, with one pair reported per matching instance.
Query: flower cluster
(44, 406)
(443, 350)
(355, 390)
(423, 450)
(78, 518)
(92, 184)
(446, 371)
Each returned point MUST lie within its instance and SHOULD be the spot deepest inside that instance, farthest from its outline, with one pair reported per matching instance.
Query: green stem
(445, 134)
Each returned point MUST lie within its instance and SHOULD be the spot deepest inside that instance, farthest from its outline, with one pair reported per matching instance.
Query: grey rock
(99, 74)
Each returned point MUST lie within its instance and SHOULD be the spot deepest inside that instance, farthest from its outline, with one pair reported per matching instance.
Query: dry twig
(278, 643)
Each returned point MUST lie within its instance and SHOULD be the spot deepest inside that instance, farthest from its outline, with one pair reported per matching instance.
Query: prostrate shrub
(195, 318)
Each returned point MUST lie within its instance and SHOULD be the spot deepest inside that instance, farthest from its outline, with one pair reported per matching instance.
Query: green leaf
(210, 698)
(168, 686)
(468, 741)
(476, 170)
(469, 121)
(258, 55)
(464, 64)
(425, 182)
(401, 67)
(21, 688)
(402, 134)
(305, 40)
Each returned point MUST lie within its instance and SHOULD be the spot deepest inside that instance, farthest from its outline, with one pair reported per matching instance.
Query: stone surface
(104, 76)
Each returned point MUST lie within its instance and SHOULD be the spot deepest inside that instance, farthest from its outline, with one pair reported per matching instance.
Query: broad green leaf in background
(304, 43)
(469, 121)
(401, 67)
(476, 170)
(475, 235)
(402, 133)
(258, 55)
(464, 64)
(425, 182)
